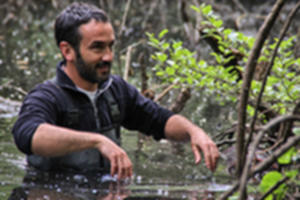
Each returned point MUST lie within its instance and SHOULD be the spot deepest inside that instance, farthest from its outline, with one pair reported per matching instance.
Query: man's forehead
(95, 29)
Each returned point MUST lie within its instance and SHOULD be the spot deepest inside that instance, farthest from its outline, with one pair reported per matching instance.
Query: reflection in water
(69, 186)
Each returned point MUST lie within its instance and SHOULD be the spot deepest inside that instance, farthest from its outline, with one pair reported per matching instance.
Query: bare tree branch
(245, 176)
(247, 78)
(128, 59)
(127, 63)
(163, 93)
(124, 17)
(240, 6)
(182, 98)
(269, 68)
(270, 160)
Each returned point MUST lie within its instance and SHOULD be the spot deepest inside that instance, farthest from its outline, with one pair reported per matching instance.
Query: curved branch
(267, 162)
(250, 67)
(274, 122)
(269, 68)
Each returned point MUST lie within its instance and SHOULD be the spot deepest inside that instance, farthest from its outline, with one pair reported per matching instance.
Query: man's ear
(67, 51)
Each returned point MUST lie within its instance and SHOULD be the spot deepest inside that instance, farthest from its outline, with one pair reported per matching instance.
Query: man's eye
(99, 47)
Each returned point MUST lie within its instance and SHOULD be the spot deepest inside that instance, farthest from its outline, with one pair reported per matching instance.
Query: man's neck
(73, 74)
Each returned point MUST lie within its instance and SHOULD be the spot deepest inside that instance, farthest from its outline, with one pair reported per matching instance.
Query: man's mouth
(103, 65)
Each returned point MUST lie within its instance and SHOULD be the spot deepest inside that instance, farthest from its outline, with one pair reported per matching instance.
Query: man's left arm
(180, 129)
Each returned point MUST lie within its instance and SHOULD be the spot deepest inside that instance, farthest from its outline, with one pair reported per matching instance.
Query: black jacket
(46, 104)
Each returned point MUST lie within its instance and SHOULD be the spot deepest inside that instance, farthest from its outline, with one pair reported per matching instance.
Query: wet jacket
(117, 104)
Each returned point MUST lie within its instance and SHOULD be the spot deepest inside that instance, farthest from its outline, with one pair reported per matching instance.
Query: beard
(89, 72)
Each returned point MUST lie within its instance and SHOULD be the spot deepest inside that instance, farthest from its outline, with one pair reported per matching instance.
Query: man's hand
(181, 129)
(201, 142)
(120, 163)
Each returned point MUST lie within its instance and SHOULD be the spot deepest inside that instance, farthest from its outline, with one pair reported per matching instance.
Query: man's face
(94, 57)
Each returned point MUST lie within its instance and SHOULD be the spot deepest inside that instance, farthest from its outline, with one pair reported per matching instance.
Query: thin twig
(127, 63)
(128, 59)
(240, 6)
(163, 93)
(149, 13)
(124, 17)
(223, 142)
(10, 86)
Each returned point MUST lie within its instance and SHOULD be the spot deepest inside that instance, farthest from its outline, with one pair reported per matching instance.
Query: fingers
(121, 165)
(211, 154)
(113, 166)
(197, 154)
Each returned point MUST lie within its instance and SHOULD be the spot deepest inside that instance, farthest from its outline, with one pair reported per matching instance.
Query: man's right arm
(51, 140)
(35, 132)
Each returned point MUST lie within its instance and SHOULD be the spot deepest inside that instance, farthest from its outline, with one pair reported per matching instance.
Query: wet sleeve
(38, 107)
(142, 114)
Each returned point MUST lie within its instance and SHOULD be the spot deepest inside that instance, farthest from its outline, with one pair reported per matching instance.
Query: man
(72, 122)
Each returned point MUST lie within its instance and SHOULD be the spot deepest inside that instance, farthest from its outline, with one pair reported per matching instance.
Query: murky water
(159, 173)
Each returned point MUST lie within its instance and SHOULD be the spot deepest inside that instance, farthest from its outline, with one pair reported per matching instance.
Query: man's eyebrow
(101, 43)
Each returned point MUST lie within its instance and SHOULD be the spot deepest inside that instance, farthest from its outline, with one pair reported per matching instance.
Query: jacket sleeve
(38, 107)
(142, 114)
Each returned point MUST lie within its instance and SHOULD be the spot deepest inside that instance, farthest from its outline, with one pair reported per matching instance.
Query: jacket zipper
(101, 91)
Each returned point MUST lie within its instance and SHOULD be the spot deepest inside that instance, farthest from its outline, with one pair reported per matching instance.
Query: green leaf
(269, 180)
(296, 130)
(177, 45)
(163, 33)
(207, 9)
(286, 158)
(161, 57)
(160, 73)
(190, 80)
(289, 62)
(150, 34)
(298, 61)
(292, 174)
(202, 63)
(218, 23)
(170, 71)
(166, 46)
(197, 9)
(227, 31)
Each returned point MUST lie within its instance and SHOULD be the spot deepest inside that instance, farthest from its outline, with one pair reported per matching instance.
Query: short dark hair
(68, 21)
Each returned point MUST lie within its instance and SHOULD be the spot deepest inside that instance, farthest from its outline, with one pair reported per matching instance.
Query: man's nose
(108, 55)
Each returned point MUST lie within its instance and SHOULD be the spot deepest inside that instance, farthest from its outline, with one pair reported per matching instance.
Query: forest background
(230, 66)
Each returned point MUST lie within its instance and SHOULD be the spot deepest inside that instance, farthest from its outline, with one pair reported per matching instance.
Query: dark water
(159, 173)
